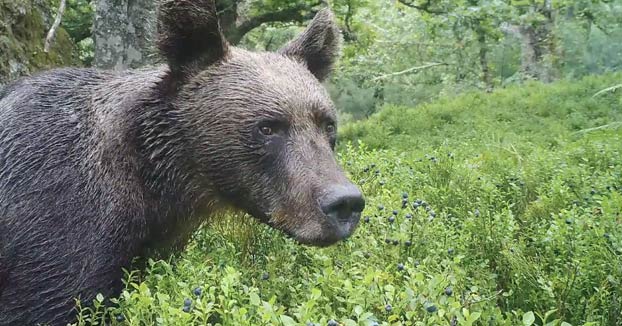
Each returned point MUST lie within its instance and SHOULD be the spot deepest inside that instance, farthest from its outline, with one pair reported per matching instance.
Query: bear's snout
(342, 205)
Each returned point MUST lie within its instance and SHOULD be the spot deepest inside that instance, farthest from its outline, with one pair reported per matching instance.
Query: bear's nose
(343, 203)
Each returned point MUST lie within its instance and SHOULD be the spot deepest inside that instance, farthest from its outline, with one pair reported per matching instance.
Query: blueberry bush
(483, 209)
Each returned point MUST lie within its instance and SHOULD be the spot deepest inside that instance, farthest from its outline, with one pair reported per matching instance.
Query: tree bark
(123, 33)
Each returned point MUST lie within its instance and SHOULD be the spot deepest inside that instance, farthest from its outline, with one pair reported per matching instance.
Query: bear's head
(263, 127)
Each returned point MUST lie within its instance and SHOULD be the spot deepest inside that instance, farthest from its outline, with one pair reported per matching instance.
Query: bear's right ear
(189, 35)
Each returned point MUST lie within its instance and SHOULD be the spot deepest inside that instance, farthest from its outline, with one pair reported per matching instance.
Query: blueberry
(332, 323)
(197, 291)
(396, 242)
(265, 276)
(431, 309)
(366, 255)
(373, 165)
(449, 291)
(450, 251)
(408, 243)
(120, 318)
(424, 204)
(382, 182)
(395, 212)
(432, 214)
(380, 207)
(387, 240)
(374, 324)
(593, 192)
(400, 267)
(187, 302)
(568, 221)
(419, 202)
(366, 169)
(607, 235)
(377, 172)
(404, 195)
(366, 219)
(388, 308)
(310, 324)
(409, 216)
(476, 213)
(404, 203)
(416, 205)
(391, 219)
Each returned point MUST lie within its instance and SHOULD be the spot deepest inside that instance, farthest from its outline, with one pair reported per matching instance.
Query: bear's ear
(318, 46)
(189, 35)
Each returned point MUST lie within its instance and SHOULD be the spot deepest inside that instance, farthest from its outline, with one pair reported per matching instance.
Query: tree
(124, 29)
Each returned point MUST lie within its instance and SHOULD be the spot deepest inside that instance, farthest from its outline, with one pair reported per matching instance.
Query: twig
(403, 72)
(52, 33)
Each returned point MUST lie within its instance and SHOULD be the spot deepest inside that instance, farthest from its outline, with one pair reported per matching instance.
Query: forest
(486, 136)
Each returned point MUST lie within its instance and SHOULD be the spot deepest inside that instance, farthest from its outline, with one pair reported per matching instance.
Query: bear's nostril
(343, 202)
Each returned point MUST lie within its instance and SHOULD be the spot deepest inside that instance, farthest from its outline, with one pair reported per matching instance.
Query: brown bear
(98, 167)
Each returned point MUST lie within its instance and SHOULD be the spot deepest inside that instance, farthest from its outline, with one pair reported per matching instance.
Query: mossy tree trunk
(23, 28)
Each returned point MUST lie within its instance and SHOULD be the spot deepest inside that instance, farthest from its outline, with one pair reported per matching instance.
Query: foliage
(484, 209)
(22, 31)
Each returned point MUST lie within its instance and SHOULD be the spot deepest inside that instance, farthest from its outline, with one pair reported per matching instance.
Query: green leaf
(529, 318)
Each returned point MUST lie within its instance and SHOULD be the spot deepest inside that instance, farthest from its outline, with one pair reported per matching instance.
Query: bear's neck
(171, 177)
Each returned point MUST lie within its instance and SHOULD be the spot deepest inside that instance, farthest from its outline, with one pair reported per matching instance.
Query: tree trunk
(483, 56)
(123, 33)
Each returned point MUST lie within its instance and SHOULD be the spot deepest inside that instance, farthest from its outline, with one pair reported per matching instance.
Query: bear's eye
(266, 131)
(330, 128)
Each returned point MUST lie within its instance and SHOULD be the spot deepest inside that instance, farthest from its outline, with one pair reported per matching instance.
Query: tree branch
(424, 7)
(52, 33)
(293, 14)
(403, 72)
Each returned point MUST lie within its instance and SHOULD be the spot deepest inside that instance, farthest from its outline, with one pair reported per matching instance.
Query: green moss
(23, 32)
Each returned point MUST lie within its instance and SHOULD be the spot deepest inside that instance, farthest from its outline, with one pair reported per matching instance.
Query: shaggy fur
(98, 167)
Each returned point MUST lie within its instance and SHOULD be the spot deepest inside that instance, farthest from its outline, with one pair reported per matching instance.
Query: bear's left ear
(189, 36)
(318, 46)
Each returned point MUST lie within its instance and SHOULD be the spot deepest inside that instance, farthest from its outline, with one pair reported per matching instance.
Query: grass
(484, 209)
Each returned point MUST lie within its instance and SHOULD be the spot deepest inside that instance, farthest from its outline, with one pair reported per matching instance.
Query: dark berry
(366, 219)
(366, 255)
(187, 302)
(432, 214)
(395, 212)
(366, 169)
(408, 243)
(404, 195)
(120, 318)
(404, 203)
(449, 291)
(387, 240)
(396, 242)
(568, 221)
(607, 235)
(310, 324)
(416, 205)
(400, 267)
(450, 251)
(186, 308)
(373, 165)
(593, 192)
(431, 309)
(388, 308)
(382, 182)
(265, 276)
(380, 207)
(391, 219)
(332, 323)
(197, 291)
(476, 213)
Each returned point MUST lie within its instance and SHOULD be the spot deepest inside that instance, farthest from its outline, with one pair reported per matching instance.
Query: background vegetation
(486, 135)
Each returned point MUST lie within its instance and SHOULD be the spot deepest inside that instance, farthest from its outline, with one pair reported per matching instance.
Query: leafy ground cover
(484, 209)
